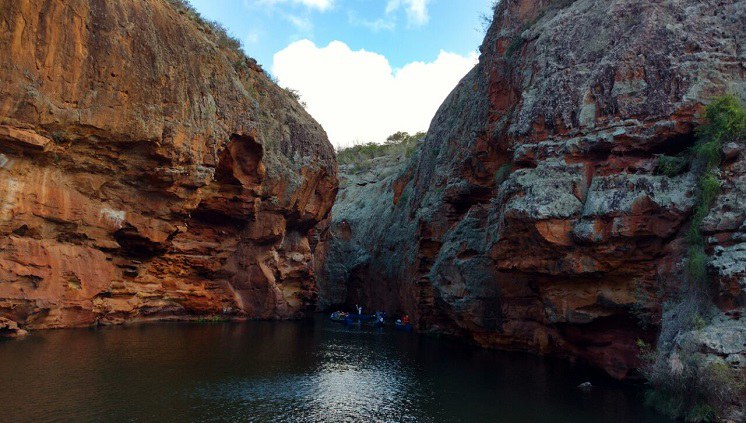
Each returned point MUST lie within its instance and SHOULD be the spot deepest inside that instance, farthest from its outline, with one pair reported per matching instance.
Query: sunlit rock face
(535, 216)
(149, 172)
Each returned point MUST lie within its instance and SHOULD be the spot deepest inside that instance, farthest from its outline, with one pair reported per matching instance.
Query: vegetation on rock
(583, 236)
(222, 38)
(687, 384)
(673, 165)
(400, 144)
(726, 122)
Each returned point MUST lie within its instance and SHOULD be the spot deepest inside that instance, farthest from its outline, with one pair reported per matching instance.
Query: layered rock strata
(149, 171)
(536, 216)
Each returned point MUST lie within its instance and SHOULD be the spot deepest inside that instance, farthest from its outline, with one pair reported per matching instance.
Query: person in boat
(405, 319)
(359, 310)
(338, 315)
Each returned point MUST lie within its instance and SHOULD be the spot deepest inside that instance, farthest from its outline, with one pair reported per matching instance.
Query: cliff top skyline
(365, 69)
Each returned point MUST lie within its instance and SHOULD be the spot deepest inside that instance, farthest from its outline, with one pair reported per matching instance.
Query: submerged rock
(149, 171)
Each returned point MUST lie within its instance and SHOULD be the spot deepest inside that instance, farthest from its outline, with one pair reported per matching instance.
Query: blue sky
(351, 57)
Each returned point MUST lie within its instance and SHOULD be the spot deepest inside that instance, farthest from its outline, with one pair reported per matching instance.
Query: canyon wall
(149, 170)
(535, 216)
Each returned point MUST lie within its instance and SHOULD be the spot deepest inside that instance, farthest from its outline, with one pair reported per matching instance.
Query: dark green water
(313, 371)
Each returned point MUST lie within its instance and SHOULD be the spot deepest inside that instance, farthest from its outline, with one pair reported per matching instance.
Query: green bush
(225, 40)
(685, 384)
(726, 121)
(220, 34)
(673, 165)
(212, 319)
(486, 19)
(295, 95)
(689, 387)
(709, 188)
(697, 263)
(400, 144)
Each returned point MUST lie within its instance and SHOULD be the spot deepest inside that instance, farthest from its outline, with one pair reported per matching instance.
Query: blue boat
(406, 327)
(338, 316)
(354, 318)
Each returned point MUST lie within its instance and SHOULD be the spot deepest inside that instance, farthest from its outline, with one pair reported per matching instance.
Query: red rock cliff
(535, 216)
(149, 171)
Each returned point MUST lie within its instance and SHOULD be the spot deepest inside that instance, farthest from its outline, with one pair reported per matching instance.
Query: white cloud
(416, 10)
(358, 97)
(373, 25)
(314, 4)
(301, 23)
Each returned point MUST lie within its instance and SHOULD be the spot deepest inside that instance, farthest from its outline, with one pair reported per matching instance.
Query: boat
(406, 327)
(378, 321)
(338, 316)
(354, 318)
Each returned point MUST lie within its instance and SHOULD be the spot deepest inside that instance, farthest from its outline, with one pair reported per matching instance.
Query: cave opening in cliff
(676, 145)
(206, 216)
(239, 162)
(135, 245)
(464, 201)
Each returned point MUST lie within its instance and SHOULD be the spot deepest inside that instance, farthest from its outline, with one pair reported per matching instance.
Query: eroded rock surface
(535, 216)
(148, 171)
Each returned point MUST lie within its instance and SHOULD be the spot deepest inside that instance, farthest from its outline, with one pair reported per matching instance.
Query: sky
(364, 68)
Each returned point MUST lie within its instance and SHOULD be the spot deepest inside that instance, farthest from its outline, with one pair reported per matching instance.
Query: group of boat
(376, 320)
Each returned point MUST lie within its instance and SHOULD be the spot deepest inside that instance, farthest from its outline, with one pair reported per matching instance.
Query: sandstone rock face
(10, 329)
(147, 171)
(535, 216)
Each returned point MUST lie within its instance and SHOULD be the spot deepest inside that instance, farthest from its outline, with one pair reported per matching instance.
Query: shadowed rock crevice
(240, 163)
(136, 245)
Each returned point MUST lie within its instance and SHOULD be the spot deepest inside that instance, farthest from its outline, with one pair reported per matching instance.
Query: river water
(312, 371)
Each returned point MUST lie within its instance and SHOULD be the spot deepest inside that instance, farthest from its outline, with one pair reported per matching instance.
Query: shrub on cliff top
(223, 39)
(219, 32)
(400, 144)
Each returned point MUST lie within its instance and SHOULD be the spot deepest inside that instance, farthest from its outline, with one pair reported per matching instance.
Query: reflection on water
(291, 372)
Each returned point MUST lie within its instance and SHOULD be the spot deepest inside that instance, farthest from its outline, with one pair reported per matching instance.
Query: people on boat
(405, 319)
(359, 309)
(338, 315)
